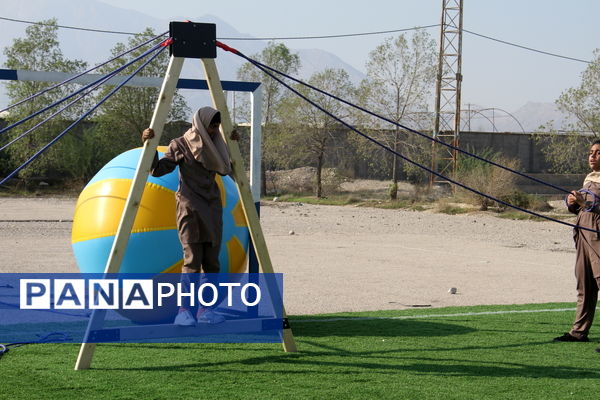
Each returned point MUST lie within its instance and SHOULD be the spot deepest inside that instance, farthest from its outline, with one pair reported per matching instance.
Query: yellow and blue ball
(154, 245)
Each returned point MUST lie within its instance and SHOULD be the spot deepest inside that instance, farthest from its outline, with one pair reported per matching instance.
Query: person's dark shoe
(567, 337)
(597, 350)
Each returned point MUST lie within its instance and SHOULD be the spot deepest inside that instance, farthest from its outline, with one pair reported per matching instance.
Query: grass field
(484, 352)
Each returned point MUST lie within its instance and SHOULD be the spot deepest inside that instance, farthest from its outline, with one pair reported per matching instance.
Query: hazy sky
(495, 75)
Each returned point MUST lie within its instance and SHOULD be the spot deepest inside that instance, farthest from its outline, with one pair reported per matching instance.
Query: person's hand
(148, 133)
(234, 135)
(576, 198)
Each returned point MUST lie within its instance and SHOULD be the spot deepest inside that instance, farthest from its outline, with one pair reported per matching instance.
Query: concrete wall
(514, 145)
(528, 151)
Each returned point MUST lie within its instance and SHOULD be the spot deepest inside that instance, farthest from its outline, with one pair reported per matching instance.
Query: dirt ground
(353, 258)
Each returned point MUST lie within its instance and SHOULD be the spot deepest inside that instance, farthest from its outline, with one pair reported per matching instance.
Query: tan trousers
(587, 289)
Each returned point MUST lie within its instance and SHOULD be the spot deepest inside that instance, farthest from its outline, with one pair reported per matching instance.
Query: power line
(333, 36)
(526, 48)
(267, 70)
(232, 38)
(77, 28)
(314, 37)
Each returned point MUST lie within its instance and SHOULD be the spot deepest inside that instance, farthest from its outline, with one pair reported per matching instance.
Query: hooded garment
(211, 152)
(592, 177)
(199, 158)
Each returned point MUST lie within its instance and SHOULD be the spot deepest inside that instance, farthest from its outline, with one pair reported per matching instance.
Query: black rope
(44, 109)
(389, 149)
(89, 87)
(433, 139)
(81, 73)
(160, 48)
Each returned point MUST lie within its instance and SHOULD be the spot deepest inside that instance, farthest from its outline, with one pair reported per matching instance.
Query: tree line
(400, 75)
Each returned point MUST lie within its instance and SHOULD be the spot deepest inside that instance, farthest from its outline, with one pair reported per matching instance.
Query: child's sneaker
(185, 318)
(208, 316)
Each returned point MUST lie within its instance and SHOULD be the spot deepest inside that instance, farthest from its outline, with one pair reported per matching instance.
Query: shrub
(487, 178)
(302, 181)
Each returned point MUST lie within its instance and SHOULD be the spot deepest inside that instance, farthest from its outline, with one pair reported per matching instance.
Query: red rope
(227, 48)
(167, 42)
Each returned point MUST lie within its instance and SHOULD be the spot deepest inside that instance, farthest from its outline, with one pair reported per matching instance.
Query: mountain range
(95, 47)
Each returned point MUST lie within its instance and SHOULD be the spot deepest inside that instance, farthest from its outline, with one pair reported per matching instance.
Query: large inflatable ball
(154, 245)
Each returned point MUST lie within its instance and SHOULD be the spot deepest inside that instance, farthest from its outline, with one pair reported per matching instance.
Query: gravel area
(353, 258)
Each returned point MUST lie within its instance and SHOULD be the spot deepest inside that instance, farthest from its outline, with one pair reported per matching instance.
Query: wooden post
(113, 265)
(239, 174)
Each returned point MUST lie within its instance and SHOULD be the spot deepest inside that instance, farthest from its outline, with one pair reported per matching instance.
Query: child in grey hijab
(200, 154)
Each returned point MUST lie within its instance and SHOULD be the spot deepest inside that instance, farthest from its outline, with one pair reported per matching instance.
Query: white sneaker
(185, 318)
(208, 316)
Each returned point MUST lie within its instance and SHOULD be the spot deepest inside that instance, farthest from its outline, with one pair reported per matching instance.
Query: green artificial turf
(449, 353)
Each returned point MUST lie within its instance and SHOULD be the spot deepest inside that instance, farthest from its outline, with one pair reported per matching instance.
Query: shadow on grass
(379, 348)
(333, 361)
(377, 327)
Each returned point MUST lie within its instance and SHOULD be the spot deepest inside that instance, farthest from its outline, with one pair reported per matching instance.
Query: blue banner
(141, 308)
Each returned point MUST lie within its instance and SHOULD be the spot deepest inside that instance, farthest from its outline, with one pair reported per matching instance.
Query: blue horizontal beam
(142, 81)
(234, 86)
(8, 74)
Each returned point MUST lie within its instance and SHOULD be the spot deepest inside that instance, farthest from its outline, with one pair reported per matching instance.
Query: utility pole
(469, 116)
(446, 126)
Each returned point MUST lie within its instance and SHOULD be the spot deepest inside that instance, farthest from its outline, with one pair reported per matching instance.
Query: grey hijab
(211, 152)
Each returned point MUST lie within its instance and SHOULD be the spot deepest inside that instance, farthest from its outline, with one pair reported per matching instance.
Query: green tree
(278, 56)
(400, 75)
(566, 151)
(129, 111)
(312, 131)
(39, 50)
(583, 102)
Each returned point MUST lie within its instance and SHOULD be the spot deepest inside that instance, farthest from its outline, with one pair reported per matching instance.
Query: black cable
(333, 36)
(68, 27)
(433, 139)
(228, 38)
(527, 48)
(315, 37)
(266, 71)
(82, 73)
(54, 337)
(161, 47)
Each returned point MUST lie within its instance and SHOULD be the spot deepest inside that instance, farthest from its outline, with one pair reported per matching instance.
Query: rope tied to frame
(266, 69)
(167, 42)
(81, 73)
(449, 145)
(86, 90)
(156, 49)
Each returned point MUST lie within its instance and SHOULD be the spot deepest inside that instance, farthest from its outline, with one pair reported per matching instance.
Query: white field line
(434, 315)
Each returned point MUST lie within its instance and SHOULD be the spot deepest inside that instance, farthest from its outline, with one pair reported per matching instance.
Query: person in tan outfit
(200, 153)
(586, 204)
